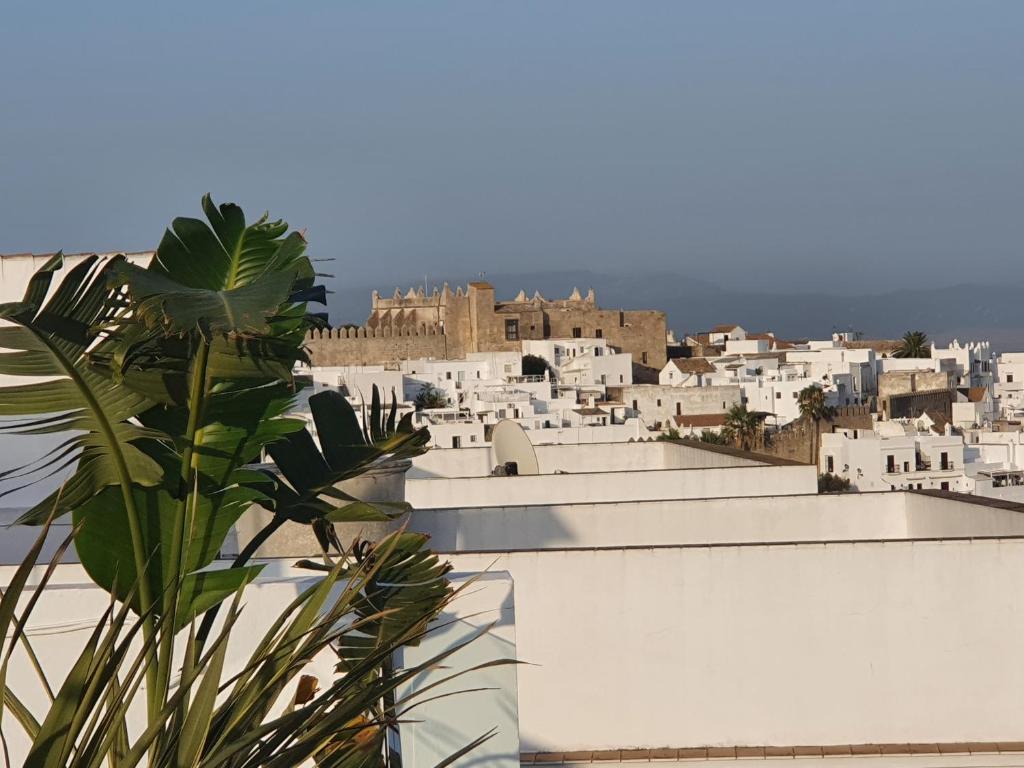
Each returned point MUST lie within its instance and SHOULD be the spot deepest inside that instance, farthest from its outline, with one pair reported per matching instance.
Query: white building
(824, 361)
(658, 404)
(1008, 383)
(973, 361)
(898, 458)
(721, 334)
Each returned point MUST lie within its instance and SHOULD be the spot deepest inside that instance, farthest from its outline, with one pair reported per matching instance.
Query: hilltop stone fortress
(448, 325)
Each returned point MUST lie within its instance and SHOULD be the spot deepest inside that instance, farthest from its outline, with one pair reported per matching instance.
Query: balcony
(503, 396)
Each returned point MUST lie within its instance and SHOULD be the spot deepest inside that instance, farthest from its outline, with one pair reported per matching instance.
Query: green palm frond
(56, 339)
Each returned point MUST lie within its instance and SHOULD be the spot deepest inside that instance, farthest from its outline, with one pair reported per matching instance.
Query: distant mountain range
(994, 312)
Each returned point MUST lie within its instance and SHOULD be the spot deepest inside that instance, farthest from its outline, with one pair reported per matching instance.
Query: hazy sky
(786, 144)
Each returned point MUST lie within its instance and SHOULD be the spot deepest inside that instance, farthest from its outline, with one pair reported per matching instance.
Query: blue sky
(766, 144)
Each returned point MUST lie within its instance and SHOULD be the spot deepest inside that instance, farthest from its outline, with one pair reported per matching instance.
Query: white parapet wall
(804, 644)
(882, 618)
(767, 519)
(466, 492)
(586, 457)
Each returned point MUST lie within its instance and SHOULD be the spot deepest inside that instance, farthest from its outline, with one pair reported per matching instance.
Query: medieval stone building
(449, 325)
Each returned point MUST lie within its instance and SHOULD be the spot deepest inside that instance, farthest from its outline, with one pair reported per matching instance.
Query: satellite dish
(513, 446)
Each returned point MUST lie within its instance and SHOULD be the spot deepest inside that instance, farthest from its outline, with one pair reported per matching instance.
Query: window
(830, 464)
(679, 408)
(456, 441)
(890, 464)
(944, 486)
(659, 403)
(919, 486)
(1009, 378)
(643, 358)
(448, 375)
(472, 438)
(778, 395)
(634, 406)
(577, 333)
(621, 380)
(794, 395)
(599, 334)
(906, 466)
(604, 379)
(511, 330)
(944, 462)
(622, 319)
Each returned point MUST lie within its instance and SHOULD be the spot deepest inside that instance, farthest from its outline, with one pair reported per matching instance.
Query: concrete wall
(887, 642)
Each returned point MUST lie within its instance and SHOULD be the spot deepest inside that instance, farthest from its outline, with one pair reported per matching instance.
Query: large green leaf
(55, 339)
(226, 252)
(163, 304)
(221, 292)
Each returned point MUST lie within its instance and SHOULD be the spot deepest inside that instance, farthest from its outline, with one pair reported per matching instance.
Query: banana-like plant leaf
(165, 305)
(56, 340)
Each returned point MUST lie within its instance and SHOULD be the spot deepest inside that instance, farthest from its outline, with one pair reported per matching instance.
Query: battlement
(372, 332)
(417, 297)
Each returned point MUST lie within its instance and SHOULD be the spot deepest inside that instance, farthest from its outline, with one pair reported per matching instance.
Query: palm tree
(744, 426)
(914, 344)
(813, 407)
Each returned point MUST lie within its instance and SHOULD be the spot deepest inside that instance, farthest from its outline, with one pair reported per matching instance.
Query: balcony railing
(503, 396)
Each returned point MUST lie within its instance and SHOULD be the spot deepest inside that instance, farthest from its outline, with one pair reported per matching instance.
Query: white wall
(580, 457)
(611, 486)
(890, 642)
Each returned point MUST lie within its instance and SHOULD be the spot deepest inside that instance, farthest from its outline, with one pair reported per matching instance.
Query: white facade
(973, 361)
(1008, 383)
(905, 460)
(825, 361)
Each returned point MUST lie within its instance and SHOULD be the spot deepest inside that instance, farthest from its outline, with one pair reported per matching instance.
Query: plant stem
(172, 578)
(243, 557)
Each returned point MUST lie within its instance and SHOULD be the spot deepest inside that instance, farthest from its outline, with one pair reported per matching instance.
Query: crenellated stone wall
(372, 346)
(449, 325)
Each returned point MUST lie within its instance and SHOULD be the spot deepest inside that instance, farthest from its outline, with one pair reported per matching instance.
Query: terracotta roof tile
(693, 365)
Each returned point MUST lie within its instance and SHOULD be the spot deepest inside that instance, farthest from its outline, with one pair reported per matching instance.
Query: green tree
(829, 483)
(743, 426)
(167, 383)
(535, 365)
(430, 396)
(815, 408)
(914, 344)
